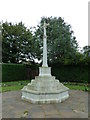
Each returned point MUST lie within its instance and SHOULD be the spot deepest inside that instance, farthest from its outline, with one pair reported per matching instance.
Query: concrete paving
(76, 106)
(0, 106)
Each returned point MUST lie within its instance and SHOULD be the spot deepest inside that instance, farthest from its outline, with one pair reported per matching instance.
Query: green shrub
(65, 73)
(71, 73)
(13, 72)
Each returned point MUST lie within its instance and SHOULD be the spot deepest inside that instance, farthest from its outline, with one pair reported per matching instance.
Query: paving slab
(50, 109)
(0, 106)
(76, 106)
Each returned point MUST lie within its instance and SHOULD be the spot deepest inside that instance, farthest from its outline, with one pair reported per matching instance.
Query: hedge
(64, 73)
(71, 73)
(13, 72)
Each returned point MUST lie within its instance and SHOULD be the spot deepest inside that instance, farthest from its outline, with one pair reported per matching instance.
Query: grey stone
(45, 88)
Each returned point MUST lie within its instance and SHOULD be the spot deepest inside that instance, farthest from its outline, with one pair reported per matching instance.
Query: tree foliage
(86, 50)
(20, 45)
(61, 43)
(17, 43)
(86, 54)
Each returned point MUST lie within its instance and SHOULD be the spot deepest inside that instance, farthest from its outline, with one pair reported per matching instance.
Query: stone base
(45, 89)
(44, 97)
(44, 71)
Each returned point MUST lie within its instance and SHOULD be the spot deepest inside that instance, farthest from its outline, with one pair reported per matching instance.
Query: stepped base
(44, 98)
(34, 97)
(45, 89)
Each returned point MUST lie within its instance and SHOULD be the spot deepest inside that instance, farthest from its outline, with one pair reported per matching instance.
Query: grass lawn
(18, 85)
(16, 82)
(11, 86)
(77, 87)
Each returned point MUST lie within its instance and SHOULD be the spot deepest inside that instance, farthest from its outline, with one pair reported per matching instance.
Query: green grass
(76, 87)
(0, 89)
(16, 82)
(11, 86)
(18, 85)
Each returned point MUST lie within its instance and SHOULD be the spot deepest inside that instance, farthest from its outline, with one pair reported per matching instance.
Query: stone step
(44, 78)
(53, 81)
(45, 85)
(44, 91)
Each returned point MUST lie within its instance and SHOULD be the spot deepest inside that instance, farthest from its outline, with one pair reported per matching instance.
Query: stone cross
(45, 46)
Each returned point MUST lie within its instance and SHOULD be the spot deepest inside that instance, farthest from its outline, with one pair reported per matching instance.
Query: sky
(74, 12)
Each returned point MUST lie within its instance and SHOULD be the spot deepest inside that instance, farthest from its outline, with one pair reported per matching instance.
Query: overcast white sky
(74, 12)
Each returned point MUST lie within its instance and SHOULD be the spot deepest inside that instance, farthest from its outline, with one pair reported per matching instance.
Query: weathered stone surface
(45, 88)
(44, 71)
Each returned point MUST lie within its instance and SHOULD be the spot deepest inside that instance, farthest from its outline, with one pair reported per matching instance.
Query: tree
(86, 54)
(62, 44)
(86, 50)
(17, 43)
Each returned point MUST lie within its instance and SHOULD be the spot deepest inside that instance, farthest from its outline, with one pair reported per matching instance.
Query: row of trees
(20, 44)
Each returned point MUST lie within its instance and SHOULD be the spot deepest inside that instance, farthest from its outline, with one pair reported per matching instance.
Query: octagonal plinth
(45, 89)
(37, 97)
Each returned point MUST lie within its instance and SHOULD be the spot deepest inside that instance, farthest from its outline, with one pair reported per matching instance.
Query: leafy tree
(86, 54)
(86, 50)
(62, 44)
(17, 43)
(79, 58)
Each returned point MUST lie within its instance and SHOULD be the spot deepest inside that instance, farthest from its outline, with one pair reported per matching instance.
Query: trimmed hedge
(71, 73)
(13, 72)
(64, 73)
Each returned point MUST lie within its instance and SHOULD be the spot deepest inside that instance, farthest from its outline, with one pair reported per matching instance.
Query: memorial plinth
(45, 88)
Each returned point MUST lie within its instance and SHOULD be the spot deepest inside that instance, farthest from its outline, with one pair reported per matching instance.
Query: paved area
(76, 106)
(0, 106)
